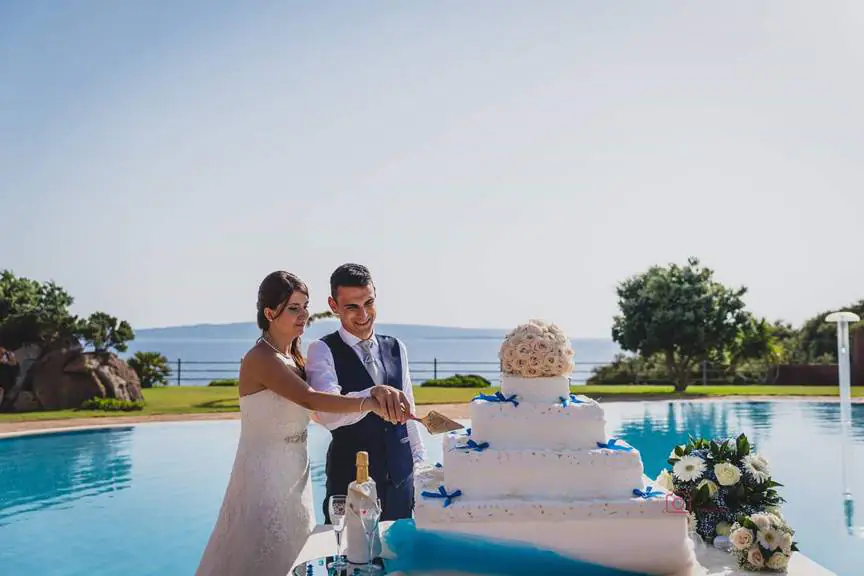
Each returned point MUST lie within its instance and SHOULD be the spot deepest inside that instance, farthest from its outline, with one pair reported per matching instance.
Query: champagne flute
(337, 518)
(370, 513)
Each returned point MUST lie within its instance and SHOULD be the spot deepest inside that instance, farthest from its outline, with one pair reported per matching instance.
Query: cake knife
(437, 423)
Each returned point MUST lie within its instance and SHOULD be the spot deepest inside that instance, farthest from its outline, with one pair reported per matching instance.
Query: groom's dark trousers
(391, 464)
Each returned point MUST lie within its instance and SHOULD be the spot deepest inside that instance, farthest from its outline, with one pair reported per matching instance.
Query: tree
(103, 332)
(816, 341)
(756, 341)
(681, 313)
(33, 313)
(319, 316)
(151, 368)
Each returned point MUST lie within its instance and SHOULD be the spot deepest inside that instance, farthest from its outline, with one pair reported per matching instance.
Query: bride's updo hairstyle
(274, 292)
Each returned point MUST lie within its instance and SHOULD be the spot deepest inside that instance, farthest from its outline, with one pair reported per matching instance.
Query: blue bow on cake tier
(442, 493)
(572, 399)
(472, 445)
(498, 397)
(614, 445)
(649, 492)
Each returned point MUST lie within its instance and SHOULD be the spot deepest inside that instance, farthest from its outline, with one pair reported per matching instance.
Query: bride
(267, 511)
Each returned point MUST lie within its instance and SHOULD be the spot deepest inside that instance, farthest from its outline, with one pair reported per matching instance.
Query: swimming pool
(142, 500)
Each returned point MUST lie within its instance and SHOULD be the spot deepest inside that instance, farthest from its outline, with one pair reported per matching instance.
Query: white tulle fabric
(267, 513)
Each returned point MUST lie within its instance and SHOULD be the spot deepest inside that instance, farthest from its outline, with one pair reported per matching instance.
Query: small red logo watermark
(675, 504)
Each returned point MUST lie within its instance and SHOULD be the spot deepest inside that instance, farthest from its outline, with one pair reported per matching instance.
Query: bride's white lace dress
(267, 512)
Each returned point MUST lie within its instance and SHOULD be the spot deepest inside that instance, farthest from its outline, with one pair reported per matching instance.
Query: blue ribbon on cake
(442, 493)
(472, 445)
(572, 399)
(413, 550)
(648, 493)
(613, 445)
(498, 397)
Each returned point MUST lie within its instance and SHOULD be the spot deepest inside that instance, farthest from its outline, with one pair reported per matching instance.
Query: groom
(350, 361)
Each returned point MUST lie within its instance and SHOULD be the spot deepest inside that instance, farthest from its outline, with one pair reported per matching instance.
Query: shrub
(112, 405)
(151, 368)
(626, 369)
(459, 381)
(224, 382)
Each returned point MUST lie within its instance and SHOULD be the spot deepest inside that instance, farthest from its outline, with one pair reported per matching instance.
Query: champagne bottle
(361, 490)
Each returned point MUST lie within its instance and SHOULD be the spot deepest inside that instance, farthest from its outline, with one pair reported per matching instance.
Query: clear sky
(490, 161)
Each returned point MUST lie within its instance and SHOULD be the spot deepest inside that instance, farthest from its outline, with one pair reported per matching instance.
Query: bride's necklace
(266, 341)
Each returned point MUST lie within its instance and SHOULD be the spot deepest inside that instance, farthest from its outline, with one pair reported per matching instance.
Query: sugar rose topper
(536, 350)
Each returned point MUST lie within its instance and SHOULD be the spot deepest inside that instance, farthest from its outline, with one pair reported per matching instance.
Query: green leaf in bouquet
(795, 547)
(715, 448)
(679, 450)
(742, 445)
(702, 496)
(748, 523)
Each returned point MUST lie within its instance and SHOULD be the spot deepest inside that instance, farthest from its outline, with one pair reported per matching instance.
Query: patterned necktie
(369, 361)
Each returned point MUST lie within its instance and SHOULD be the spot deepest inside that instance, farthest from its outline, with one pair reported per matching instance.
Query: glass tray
(318, 567)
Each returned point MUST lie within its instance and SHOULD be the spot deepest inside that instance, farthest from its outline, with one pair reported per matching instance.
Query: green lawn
(204, 399)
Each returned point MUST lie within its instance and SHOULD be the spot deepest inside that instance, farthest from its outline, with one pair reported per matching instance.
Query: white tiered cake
(537, 467)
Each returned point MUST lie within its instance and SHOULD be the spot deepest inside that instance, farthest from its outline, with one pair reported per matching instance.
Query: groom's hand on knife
(392, 403)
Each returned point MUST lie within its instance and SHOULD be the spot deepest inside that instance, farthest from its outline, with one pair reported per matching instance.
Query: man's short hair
(349, 275)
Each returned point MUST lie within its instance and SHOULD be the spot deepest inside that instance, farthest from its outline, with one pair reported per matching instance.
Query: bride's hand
(392, 404)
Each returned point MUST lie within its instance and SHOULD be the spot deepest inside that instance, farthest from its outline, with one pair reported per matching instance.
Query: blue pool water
(142, 500)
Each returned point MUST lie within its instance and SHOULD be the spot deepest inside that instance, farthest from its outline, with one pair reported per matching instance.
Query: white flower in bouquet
(757, 467)
(786, 543)
(689, 468)
(741, 538)
(727, 474)
(665, 481)
(769, 539)
(776, 510)
(754, 557)
(778, 561)
(762, 521)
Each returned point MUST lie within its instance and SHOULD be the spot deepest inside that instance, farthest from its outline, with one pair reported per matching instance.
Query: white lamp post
(843, 319)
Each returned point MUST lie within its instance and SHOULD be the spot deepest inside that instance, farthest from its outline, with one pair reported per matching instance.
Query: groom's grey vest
(390, 459)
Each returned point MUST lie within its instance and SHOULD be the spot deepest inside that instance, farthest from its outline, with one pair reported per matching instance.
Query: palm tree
(319, 316)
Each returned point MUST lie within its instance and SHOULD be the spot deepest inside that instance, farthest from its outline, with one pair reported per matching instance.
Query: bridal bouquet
(762, 542)
(720, 481)
(536, 350)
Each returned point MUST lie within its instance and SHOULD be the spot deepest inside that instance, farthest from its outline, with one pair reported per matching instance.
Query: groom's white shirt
(321, 375)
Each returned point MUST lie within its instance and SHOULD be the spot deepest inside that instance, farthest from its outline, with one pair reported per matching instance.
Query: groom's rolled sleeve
(321, 375)
(418, 449)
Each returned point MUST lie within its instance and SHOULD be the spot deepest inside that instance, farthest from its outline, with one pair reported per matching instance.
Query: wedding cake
(536, 467)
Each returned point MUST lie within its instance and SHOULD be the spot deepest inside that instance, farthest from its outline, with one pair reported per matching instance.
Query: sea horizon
(212, 351)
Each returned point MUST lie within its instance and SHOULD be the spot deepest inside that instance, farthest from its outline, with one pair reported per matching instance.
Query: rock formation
(66, 377)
